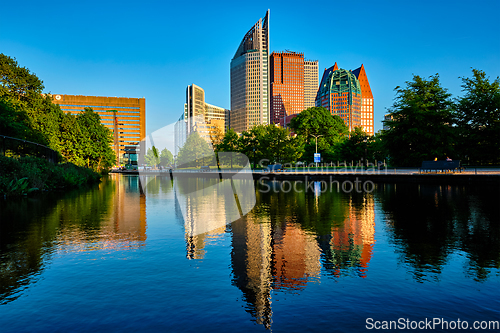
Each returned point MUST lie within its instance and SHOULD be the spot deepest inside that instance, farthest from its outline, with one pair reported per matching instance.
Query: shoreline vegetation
(31, 126)
(23, 175)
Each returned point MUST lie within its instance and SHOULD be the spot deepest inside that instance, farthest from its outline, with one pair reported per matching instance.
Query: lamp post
(316, 137)
(254, 157)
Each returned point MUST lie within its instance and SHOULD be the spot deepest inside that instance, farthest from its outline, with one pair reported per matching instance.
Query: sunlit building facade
(198, 116)
(348, 94)
(125, 117)
(311, 83)
(249, 78)
(366, 101)
(287, 84)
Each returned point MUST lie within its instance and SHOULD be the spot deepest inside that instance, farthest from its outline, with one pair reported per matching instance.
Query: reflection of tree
(104, 215)
(430, 222)
(24, 244)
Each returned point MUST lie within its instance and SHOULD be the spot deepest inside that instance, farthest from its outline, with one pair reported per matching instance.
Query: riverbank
(23, 175)
(376, 176)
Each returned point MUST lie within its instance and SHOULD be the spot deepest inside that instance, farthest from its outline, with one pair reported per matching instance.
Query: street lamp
(316, 137)
(254, 157)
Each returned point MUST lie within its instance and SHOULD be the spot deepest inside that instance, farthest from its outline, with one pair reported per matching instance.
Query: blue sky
(154, 49)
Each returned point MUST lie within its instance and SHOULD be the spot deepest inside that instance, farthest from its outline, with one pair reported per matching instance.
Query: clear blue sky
(154, 49)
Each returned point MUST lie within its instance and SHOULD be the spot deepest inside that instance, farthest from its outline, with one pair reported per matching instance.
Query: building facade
(311, 82)
(199, 116)
(125, 117)
(348, 94)
(294, 84)
(287, 84)
(340, 93)
(249, 78)
(367, 115)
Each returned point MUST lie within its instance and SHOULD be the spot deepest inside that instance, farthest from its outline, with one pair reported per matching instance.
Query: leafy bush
(26, 174)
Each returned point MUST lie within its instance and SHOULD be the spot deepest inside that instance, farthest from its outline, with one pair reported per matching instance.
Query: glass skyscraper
(250, 79)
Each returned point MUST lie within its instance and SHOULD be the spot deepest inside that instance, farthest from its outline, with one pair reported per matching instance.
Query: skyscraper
(249, 78)
(198, 116)
(366, 100)
(340, 93)
(348, 94)
(287, 84)
(293, 84)
(311, 83)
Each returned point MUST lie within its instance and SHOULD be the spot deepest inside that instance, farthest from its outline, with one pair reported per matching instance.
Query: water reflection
(110, 216)
(294, 237)
(429, 224)
(287, 243)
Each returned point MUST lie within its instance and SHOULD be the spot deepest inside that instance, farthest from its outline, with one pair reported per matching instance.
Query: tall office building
(311, 82)
(294, 84)
(347, 94)
(198, 116)
(287, 84)
(125, 117)
(366, 101)
(249, 78)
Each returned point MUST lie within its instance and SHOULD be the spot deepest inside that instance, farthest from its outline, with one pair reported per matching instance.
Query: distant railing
(17, 147)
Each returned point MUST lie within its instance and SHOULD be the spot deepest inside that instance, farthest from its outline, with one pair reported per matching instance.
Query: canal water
(148, 254)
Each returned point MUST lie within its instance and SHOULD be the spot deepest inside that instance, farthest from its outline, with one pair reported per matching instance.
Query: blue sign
(317, 158)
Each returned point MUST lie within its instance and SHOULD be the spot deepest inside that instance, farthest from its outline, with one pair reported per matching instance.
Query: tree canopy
(27, 114)
(421, 126)
(478, 119)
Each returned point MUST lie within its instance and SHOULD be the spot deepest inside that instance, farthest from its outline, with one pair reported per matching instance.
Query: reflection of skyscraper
(295, 258)
(251, 260)
(249, 78)
(351, 245)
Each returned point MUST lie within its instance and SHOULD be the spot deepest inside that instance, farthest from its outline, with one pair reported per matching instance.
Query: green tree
(195, 152)
(230, 143)
(421, 125)
(17, 81)
(272, 143)
(478, 119)
(96, 139)
(318, 121)
(166, 158)
(355, 148)
(152, 157)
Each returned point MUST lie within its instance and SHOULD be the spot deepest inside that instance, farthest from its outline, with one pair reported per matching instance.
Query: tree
(421, 125)
(166, 158)
(354, 148)
(195, 152)
(230, 143)
(478, 119)
(96, 139)
(152, 157)
(17, 81)
(27, 114)
(216, 136)
(318, 121)
(272, 143)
